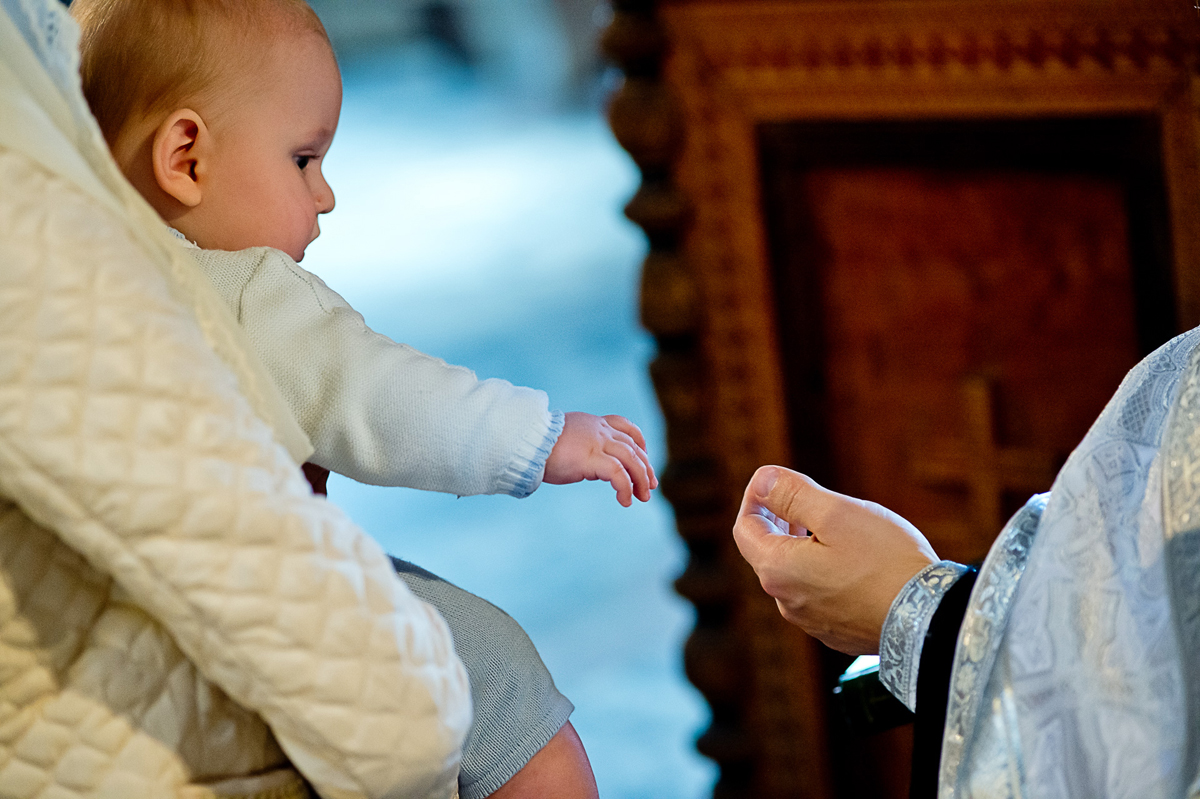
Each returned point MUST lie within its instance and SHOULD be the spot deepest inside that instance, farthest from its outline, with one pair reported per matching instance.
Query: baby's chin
(298, 257)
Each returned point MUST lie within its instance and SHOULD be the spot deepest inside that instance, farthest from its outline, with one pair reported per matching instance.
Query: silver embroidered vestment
(1076, 671)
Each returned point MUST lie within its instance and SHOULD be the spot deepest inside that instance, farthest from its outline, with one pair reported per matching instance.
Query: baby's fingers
(651, 477)
(613, 471)
(632, 434)
(636, 465)
(628, 428)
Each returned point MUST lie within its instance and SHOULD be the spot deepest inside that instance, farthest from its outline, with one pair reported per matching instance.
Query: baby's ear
(180, 143)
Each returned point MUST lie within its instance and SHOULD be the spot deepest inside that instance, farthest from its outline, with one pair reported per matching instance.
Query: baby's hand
(607, 448)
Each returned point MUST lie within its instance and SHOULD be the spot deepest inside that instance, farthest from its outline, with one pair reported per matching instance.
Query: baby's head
(219, 112)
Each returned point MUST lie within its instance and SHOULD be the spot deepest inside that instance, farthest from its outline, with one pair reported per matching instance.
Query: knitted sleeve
(375, 410)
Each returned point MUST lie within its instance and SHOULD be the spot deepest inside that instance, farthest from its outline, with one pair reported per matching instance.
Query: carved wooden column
(731, 635)
(647, 123)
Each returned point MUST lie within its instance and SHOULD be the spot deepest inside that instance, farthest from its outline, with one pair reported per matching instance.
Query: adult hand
(833, 563)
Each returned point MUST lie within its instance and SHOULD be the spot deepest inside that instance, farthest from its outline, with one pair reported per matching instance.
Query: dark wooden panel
(951, 319)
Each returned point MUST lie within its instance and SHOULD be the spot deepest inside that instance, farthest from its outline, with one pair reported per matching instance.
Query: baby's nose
(325, 201)
(323, 196)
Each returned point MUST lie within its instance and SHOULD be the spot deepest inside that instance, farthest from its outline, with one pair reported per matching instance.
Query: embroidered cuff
(905, 627)
(527, 480)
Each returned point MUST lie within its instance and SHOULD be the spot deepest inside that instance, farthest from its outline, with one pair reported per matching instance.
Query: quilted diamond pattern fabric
(175, 607)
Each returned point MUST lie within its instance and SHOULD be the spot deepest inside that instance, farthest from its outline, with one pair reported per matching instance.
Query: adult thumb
(796, 498)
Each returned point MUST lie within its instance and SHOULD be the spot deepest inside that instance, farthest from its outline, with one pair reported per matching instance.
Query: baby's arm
(609, 448)
(375, 410)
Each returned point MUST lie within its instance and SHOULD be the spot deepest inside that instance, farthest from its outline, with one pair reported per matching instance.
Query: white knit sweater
(377, 411)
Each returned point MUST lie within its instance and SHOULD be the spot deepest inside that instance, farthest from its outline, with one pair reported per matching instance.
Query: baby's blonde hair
(142, 57)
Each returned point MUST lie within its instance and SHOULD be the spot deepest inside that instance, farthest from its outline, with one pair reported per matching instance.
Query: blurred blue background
(479, 195)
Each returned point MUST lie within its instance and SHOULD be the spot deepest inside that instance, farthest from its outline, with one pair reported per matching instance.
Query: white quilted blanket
(173, 601)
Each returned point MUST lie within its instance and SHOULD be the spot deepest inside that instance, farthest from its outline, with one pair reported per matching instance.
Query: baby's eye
(302, 161)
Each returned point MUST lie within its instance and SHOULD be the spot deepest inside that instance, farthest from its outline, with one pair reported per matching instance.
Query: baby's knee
(517, 707)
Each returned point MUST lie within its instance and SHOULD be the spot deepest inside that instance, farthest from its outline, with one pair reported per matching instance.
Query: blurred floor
(492, 236)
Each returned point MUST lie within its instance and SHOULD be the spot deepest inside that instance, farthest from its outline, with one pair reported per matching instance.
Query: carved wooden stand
(700, 79)
(647, 122)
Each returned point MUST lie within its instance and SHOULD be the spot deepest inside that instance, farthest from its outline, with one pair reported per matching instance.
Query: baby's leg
(559, 769)
(520, 744)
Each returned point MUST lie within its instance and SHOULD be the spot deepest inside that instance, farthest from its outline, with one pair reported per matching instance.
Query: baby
(220, 113)
(220, 116)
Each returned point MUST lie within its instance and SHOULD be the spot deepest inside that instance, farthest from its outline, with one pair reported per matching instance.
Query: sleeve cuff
(907, 622)
(526, 480)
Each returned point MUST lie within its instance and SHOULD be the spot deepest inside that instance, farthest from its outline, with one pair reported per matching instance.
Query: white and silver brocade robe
(1077, 666)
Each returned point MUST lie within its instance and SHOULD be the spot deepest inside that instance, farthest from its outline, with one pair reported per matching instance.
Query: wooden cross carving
(980, 463)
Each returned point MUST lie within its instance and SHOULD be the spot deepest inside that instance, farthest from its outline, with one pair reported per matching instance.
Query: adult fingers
(758, 525)
(750, 531)
(795, 497)
(775, 554)
(758, 491)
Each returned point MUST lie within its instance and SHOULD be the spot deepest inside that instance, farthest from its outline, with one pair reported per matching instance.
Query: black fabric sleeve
(933, 686)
